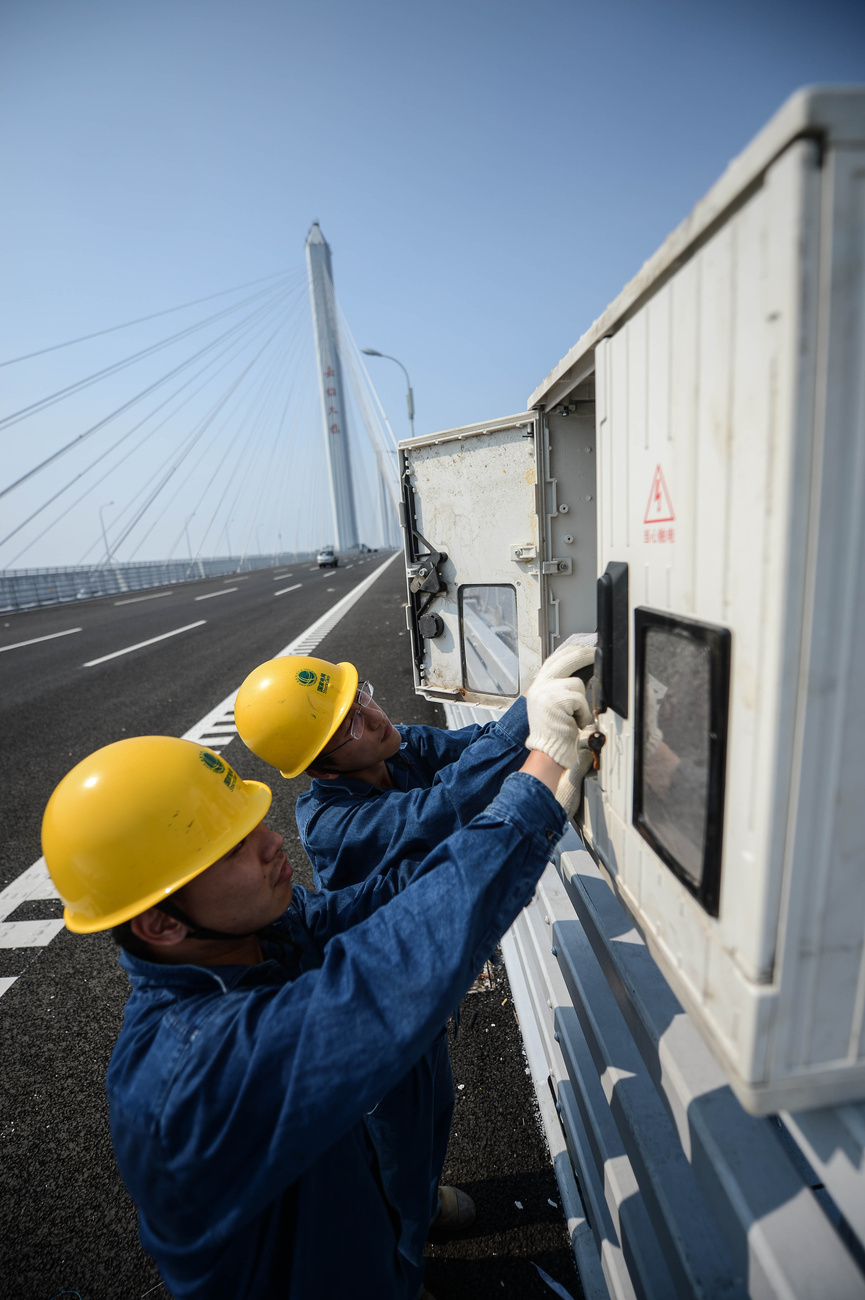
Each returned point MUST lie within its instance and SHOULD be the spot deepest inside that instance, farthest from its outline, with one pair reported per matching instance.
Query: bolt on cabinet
(690, 482)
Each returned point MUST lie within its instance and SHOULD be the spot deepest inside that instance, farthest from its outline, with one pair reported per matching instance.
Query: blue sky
(488, 175)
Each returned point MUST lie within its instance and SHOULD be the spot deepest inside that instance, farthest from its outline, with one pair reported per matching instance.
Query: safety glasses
(363, 699)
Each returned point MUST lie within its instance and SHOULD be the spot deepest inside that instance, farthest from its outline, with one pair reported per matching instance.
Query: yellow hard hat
(134, 821)
(288, 708)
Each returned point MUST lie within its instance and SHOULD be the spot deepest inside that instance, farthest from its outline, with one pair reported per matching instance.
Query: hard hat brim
(259, 800)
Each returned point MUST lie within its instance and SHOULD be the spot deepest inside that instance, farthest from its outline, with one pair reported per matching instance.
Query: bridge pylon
(333, 404)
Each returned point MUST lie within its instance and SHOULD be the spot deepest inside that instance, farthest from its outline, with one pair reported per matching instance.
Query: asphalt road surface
(78, 676)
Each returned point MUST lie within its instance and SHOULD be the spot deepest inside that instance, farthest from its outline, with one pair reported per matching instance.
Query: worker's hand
(569, 791)
(565, 661)
(557, 708)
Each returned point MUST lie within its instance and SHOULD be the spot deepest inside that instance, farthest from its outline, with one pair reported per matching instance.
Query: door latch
(425, 573)
(524, 553)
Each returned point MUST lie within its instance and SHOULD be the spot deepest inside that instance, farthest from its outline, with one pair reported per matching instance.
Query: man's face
(246, 889)
(380, 740)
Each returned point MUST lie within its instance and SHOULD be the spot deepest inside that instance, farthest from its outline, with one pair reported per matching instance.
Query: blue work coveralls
(442, 779)
(239, 1096)
(350, 830)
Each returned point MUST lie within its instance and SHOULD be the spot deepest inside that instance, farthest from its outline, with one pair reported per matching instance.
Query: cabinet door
(474, 566)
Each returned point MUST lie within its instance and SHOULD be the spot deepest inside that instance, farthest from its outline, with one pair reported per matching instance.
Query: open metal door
(474, 566)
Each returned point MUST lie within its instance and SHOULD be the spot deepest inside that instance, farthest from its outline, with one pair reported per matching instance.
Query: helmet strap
(173, 909)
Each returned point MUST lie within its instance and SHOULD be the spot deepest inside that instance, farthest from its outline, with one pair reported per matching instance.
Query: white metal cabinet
(731, 483)
(726, 391)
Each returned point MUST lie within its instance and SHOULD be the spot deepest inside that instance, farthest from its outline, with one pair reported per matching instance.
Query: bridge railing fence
(30, 588)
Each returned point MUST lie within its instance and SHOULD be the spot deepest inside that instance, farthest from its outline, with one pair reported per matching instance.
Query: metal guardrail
(669, 1186)
(30, 588)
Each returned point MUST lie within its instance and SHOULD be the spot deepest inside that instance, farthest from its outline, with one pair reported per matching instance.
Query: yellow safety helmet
(288, 708)
(136, 820)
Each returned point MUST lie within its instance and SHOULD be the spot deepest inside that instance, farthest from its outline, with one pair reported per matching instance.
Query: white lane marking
(208, 594)
(314, 569)
(133, 600)
(216, 729)
(285, 589)
(33, 640)
(28, 934)
(308, 640)
(35, 882)
(236, 578)
(279, 577)
(91, 663)
(351, 566)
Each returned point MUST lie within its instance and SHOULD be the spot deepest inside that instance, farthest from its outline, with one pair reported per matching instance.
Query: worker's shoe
(456, 1212)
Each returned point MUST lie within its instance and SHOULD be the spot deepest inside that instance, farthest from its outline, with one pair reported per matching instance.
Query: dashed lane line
(215, 730)
(208, 595)
(237, 578)
(285, 589)
(139, 645)
(33, 640)
(134, 600)
(280, 576)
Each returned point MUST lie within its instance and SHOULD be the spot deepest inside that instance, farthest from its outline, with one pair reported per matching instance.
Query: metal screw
(587, 449)
(589, 497)
(563, 510)
(568, 538)
(422, 572)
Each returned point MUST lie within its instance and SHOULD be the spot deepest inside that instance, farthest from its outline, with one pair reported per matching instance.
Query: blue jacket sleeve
(348, 835)
(255, 1094)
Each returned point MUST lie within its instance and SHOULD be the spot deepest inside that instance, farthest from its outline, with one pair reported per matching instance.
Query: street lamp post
(409, 396)
(104, 536)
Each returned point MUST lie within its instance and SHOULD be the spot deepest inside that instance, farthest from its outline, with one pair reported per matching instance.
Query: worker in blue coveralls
(264, 1022)
(382, 794)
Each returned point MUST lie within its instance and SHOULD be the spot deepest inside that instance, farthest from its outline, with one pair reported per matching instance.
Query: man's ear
(321, 774)
(158, 928)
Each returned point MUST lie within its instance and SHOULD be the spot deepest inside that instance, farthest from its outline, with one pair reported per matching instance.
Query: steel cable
(266, 310)
(112, 329)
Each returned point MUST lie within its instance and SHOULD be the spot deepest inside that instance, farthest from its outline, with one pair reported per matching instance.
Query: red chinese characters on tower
(334, 428)
(331, 392)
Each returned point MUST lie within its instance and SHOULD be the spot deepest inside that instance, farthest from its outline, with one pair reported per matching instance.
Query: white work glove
(557, 708)
(569, 791)
(565, 661)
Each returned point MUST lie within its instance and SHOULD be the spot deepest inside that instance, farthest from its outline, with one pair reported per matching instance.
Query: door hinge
(557, 566)
(524, 553)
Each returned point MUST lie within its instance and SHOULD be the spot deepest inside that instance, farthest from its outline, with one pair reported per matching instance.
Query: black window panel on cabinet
(682, 681)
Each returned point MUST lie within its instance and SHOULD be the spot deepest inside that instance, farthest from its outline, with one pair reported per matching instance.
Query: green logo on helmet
(306, 677)
(215, 764)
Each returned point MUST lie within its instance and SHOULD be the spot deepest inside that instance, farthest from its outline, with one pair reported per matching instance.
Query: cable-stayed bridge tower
(333, 403)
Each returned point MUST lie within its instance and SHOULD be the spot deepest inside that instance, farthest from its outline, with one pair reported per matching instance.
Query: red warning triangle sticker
(660, 508)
